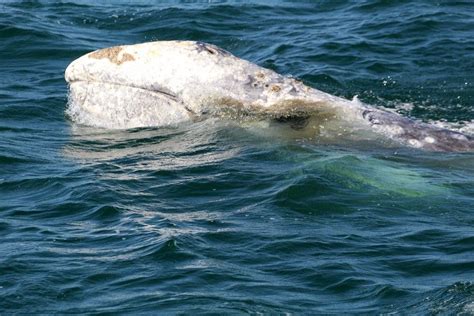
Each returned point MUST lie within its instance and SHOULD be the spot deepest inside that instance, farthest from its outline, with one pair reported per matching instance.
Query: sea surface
(211, 217)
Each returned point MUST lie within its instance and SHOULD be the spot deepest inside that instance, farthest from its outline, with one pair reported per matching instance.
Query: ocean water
(211, 217)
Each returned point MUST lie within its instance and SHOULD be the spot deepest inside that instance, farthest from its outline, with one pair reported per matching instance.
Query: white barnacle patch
(415, 143)
(396, 130)
(430, 140)
(390, 129)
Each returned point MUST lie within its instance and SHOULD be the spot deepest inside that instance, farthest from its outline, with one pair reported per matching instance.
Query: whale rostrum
(170, 82)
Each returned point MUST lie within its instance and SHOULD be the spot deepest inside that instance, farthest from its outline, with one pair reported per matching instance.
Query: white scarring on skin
(170, 82)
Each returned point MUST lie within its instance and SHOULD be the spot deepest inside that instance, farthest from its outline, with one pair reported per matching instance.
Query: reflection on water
(161, 149)
(143, 153)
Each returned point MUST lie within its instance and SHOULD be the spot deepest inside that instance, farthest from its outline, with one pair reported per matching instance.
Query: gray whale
(169, 82)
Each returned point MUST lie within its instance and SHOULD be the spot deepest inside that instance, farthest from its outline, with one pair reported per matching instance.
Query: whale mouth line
(162, 92)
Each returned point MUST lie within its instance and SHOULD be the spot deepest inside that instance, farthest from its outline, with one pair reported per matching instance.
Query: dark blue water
(211, 217)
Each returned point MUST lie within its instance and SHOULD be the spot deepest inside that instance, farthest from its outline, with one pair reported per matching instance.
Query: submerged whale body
(170, 82)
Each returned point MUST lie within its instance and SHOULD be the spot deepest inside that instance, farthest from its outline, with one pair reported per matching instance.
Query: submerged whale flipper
(170, 82)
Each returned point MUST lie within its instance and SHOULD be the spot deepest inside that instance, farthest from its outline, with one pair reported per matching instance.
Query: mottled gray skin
(418, 134)
(164, 83)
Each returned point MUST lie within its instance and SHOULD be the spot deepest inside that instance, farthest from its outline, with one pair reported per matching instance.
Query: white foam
(469, 308)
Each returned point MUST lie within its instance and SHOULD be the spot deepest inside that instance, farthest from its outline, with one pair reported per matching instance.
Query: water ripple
(225, 218)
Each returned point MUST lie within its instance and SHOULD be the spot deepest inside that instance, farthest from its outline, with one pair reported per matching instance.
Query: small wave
(455, 299)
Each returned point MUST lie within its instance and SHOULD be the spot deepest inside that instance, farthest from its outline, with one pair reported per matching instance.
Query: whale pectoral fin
(366, 173)
(417, 134)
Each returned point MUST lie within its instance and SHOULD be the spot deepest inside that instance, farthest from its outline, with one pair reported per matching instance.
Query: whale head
(167, 82)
